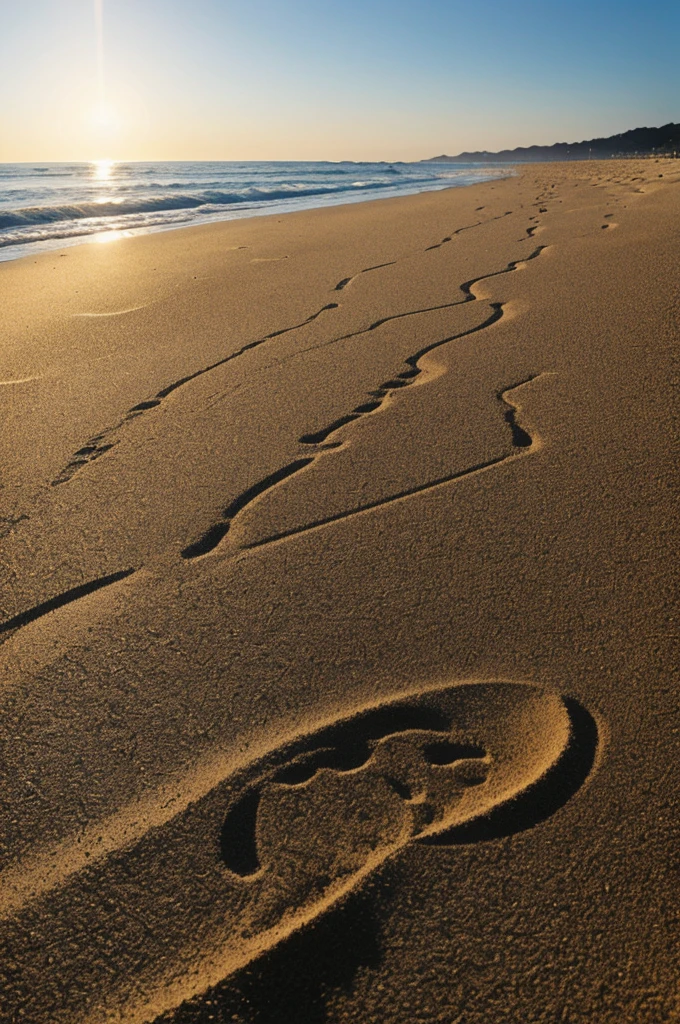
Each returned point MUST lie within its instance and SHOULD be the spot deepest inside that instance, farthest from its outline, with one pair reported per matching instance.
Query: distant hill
(664, 141)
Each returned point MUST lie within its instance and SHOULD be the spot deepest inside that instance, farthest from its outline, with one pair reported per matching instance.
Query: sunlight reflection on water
(102, 169)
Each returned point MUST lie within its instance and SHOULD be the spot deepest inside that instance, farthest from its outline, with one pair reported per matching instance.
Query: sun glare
(103, 118)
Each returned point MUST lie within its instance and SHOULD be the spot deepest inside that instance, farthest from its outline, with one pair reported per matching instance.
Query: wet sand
(338, 613)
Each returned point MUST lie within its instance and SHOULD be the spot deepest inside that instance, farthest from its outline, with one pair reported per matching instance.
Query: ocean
(47, 206)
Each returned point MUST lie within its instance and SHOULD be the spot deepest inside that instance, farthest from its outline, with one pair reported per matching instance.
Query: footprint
(286, 838)
(326, 812)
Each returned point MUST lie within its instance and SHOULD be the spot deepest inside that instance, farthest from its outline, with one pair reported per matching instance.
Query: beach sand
(339, 613)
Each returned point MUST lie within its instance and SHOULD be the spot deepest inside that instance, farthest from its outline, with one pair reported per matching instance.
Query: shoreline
(210, 225)
(277, 206)
(300, 514)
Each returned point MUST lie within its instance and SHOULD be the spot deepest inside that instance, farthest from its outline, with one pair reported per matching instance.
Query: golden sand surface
(339, 613)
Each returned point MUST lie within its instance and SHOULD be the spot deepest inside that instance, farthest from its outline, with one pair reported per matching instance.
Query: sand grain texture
(339, 613)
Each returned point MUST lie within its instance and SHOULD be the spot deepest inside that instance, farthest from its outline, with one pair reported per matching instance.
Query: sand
(339, 613)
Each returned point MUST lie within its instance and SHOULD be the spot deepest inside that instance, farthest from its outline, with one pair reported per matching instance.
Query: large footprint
(433, 769)
(274, 847)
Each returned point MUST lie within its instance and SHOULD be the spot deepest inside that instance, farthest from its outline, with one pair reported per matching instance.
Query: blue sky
(268, 79)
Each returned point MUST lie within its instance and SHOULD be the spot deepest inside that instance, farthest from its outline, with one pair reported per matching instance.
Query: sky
(322, 80)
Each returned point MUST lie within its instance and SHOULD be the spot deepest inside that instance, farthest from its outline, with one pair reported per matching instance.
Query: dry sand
(339, 603)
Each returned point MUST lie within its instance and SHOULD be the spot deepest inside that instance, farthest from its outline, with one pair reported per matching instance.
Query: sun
(104, 116)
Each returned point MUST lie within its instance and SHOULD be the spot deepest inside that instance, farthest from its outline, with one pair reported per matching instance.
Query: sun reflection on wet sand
(111, 236)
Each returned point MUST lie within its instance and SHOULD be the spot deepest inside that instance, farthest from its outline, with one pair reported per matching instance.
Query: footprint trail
(216, 533)
(208, 541)
(100, 444)
(521, 440)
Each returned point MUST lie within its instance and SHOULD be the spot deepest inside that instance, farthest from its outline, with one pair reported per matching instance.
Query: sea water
(50, 205)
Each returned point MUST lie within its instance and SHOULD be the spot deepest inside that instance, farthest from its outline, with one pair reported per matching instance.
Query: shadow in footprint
(349, 746)
(292, 983)
(541, 800)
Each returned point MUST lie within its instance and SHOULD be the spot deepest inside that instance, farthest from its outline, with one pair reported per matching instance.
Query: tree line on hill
(664, 141)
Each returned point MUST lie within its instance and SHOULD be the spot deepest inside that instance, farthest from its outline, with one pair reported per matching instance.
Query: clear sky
(322, 79)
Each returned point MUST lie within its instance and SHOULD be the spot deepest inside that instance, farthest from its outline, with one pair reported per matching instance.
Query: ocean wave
(83, 229)
(181, 201)
(10, 171)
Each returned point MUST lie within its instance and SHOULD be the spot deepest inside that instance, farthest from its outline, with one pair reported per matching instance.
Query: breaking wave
(181, 201)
